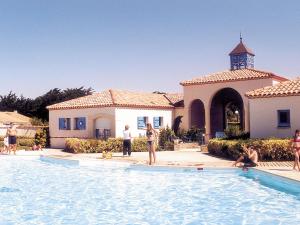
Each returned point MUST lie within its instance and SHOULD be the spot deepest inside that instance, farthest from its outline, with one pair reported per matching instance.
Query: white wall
(263, 116)
(128, 116)
(57, 137)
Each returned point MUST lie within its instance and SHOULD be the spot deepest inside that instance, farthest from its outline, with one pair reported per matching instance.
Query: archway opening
(197, 114)
(226, 111)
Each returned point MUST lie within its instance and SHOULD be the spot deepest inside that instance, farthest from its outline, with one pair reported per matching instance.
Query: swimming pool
(34, 191)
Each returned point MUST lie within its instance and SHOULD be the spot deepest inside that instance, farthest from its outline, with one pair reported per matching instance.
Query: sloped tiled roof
(174, 98)
(287, 88)
(13, 117)
(89, 101)
(232, 75)
(117, 98)
(241, 48)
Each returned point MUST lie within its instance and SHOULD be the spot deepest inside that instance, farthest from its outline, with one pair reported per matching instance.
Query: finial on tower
(241, 39)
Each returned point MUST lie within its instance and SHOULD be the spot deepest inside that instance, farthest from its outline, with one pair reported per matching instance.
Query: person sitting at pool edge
(249, 157)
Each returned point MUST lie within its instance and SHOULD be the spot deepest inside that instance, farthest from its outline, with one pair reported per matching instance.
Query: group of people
(152, 137)
(250, 156)
(10, 140)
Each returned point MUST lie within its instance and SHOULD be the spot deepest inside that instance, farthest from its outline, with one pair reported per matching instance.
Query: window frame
(160, 122)
(281, 124)
(145, 121)
(67, 123)
(76, 123)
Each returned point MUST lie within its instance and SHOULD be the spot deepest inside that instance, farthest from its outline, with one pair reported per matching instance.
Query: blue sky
(139, 45)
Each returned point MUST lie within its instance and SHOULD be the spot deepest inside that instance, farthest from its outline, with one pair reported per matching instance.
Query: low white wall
(128, 116)
(21, 132)
(263, 116)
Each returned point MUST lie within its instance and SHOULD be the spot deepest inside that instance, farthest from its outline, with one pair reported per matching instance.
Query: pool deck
(183, 158)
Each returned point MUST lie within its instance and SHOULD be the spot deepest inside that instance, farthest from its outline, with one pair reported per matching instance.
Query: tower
(241, 57)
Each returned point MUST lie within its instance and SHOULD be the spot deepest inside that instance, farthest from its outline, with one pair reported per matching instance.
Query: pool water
(33, 191)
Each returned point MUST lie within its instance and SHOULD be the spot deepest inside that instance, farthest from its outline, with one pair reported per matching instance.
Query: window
(80, 123)
(141, 122)
(157, 122)
(64, 123)
(283, 118)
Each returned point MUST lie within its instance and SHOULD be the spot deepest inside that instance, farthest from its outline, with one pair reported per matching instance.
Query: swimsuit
(296, 140)
(248, 162)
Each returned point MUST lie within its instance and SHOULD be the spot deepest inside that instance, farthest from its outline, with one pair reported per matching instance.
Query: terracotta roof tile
(241, 48)
(14, 117)
(129, 98)
(174, 98)
(232, 75)
(287, 88)
(90, 101)
(118, 98)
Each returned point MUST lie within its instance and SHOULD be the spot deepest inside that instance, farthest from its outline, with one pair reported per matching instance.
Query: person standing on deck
(12, 138)
(296, 149)
(127, 141)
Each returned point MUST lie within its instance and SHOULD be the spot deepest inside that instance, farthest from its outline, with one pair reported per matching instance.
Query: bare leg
(154, 154)
(296, 162)
(14, 149)
(9, 149)
(297, 156)
(150, 154)
(238, 161)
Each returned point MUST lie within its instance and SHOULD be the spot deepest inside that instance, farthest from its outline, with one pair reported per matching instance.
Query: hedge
(76, 145)
(268, 150)
(22, 142)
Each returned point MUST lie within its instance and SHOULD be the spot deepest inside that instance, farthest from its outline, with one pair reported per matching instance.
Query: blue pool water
(34, 191)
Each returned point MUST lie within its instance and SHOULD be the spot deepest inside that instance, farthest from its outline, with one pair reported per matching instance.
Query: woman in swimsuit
(151, 137)
(296, 149)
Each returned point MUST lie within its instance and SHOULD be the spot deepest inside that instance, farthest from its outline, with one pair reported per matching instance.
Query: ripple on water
(42, 193)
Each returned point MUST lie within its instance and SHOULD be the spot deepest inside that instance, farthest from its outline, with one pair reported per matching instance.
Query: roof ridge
(112, 96)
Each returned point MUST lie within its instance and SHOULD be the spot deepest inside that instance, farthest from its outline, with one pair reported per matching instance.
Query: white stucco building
(260, 102)
(105, 114)
(275, 110)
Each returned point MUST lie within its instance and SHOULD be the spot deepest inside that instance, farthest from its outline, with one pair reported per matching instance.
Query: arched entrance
(197, 114)
(227, 109)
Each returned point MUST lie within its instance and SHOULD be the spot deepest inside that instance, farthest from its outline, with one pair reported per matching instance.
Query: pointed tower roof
(241, 48)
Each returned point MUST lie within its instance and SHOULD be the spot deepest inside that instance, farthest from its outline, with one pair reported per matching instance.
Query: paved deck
(174, 158)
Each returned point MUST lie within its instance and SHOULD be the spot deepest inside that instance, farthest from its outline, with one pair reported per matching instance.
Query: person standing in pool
(126, 141)
(249, 158)
(151, 138)
(12, 138)
(296, 149)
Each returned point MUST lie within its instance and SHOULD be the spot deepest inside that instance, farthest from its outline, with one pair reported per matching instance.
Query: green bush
(76, 145)
(139, 145)
(42, 137)
(268, 150)
(166, 135)
(22, 142)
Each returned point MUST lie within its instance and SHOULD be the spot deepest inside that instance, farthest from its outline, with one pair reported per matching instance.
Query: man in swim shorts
(249, 157)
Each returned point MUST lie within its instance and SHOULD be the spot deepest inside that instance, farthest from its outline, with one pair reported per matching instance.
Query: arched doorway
(227, 109)
(197, 114)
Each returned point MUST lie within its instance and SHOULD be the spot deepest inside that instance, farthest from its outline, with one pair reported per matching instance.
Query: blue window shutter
(83, 123)
(141, 122)
(80, 123)
(68, 124)
(156, 122)
(61, 123)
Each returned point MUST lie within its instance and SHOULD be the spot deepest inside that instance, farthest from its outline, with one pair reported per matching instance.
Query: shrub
(42, 137)
(29, 142)
(234, 132)
(165, 135)
(268, 150)
(139, 145)
(76, 145)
